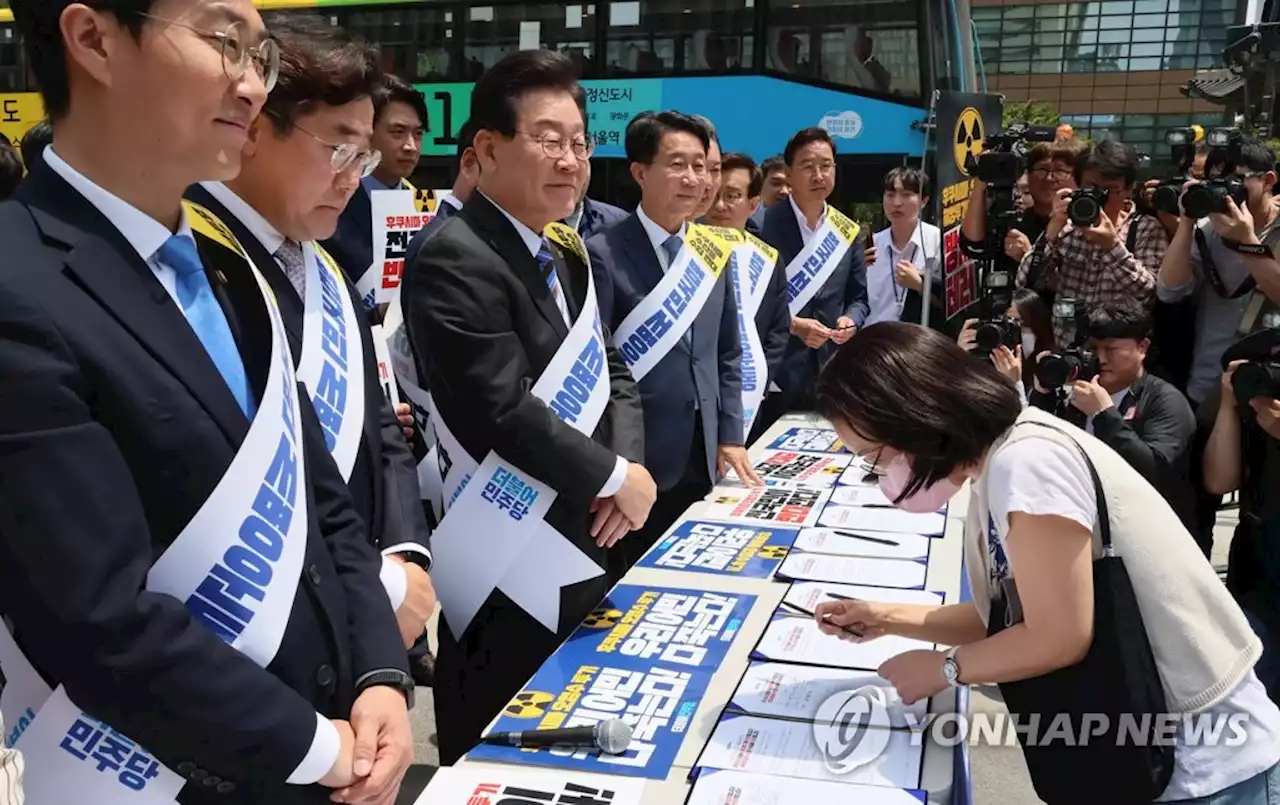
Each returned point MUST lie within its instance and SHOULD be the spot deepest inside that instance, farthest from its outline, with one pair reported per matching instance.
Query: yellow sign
(19, 112)
(529, 704)
(969, 137)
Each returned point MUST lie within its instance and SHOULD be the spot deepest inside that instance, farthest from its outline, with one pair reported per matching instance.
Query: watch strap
(389, 677)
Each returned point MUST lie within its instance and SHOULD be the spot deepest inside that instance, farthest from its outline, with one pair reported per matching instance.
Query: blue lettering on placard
(20, 727)
(755, 268)
(796, 285)
(224, 602)
(330, 395)
(645, 336)
(581, 380)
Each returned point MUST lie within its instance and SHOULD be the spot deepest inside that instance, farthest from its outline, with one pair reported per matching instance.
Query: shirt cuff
(616, 479)
(395, 581)
(324, 751)
(409, 547)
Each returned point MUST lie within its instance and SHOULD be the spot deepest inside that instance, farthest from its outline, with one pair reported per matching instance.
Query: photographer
(1051, 167)
(1243, 454)
(1094, 249)
(1033, 318)
(1067, 628)
(1143, 418)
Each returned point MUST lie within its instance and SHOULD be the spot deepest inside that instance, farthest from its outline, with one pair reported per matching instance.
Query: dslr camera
(1084, 206)
(995, 327)
(1075, 362)
(1211, 195)
(1256, 379)
(999, 167)
(1182, 145)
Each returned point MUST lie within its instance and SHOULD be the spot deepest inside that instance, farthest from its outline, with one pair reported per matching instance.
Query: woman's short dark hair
(913, 389)
(1038, 318)
(320, 65)
(500, 89)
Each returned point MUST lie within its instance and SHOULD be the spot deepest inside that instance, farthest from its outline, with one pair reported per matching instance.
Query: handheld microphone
(612, 736)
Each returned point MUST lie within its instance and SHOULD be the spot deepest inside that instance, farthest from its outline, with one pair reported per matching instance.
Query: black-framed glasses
(1057, 174)
(347, 155)
(237, 53)
(555, 146)
(869, 463)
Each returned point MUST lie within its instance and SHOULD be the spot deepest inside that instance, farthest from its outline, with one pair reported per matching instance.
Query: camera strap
(1211, 268)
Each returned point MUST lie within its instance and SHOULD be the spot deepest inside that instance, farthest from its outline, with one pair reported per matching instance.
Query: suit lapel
(645, 260)
(506, 241)
(110, 270)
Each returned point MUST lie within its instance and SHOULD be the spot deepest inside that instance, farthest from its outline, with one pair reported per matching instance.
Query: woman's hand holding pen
(868, 618)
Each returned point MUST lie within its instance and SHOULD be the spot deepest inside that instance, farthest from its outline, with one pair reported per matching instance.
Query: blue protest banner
(728, 549)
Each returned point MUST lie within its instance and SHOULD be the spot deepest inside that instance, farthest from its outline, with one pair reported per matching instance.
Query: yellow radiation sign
(603, 619)
(968, 138)
(529, 704)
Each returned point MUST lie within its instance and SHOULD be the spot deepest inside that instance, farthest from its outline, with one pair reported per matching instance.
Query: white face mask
(1028, 345)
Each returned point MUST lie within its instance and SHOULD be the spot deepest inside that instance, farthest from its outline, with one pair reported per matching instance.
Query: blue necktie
(672, 247)
(547, 263)
(195, 297)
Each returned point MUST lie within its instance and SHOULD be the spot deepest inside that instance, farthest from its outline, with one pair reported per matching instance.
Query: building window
(492, 32)
(665, 37)
(856, 43)
(11, 68)
(417, 44)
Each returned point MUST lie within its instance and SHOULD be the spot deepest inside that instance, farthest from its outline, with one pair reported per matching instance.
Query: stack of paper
(726, 787)
(872, 544)
(908, 575)
(796, 638)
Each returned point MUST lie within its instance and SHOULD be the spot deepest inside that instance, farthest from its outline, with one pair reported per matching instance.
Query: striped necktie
(547, 264)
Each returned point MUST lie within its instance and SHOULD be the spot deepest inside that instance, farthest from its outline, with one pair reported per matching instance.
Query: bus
(864, 70)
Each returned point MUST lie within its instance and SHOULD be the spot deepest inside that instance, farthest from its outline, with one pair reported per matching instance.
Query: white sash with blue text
(656, 325)
(236, 566)
(815, 263)
(494, 535)
(752, 262)
(332, 366)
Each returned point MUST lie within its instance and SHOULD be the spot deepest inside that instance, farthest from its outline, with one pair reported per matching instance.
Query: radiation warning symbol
(425, 201)
(603, 619)
(969, 137)
(528, 704)
(773, 552)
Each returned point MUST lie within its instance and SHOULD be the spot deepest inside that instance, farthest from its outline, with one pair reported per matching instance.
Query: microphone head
(613, 736)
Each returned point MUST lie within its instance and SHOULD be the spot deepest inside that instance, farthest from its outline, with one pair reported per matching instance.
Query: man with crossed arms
(826, 278)
(306, 154)
(691, 378)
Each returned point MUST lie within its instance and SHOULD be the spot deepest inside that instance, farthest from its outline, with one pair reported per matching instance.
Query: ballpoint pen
(877, 540)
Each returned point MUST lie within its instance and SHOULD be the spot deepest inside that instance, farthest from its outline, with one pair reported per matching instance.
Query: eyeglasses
(869, 462)
(555, 146)
(347, 155)
(237, 55)
(732, 197)
(1056, 174)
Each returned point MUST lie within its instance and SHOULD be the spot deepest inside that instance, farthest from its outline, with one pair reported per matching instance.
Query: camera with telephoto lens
(1084, 206)
(1001, 163)
(996, 328)
(1182, 146)
(1256, 379)
(1211, 195)
(1057, 369)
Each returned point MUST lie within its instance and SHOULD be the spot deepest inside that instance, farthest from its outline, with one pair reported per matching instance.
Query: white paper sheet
(790, 468)
(875, 544)
(860, 495)
(457, 785)
(765, 505)
(807, 594)
(869, 519)
(790, 749)
(797, 638)
(797, 692)
(727, 787)
(906, 574)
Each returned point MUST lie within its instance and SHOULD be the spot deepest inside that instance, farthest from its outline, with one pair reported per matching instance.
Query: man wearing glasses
(307, 152)
(179, 558)
(671, 307)
(537, 419)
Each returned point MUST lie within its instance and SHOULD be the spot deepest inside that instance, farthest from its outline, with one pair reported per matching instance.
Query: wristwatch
(950, 669)
(391, 678)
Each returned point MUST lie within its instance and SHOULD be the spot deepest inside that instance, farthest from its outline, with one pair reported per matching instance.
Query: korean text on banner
(395, 221)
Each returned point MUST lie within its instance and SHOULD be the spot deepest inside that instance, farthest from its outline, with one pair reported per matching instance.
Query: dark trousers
(692, 487)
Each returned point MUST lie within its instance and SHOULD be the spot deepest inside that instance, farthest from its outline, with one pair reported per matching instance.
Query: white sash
(406, 371)
(815, 263)
(752, 262)
(236, 565)
(662, 318)
(332, 366)
(493, 535)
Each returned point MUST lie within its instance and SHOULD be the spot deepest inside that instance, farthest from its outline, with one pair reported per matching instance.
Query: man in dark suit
(400, 122)
(693, 393)
(592, 217)
(137, 351)
(288, 194)
(488, 304)
(740, 183)
(838, 305)
(468, 177)
(773, 189)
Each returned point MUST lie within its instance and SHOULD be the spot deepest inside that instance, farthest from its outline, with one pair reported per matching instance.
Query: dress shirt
(885, 295)
(806, 234)
(658, 236)
(452, 201)
(146, 235)
(533, 241)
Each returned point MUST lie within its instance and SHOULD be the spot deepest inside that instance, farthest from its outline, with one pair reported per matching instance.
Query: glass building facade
(1114, 68)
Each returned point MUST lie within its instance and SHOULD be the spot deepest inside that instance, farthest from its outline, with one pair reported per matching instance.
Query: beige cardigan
(1202, 643)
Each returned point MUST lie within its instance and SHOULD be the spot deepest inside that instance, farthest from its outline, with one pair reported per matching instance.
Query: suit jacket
(773, 320)
(384, 479)
(1152, 428)
(106, 383)
(756, 222)
(844, 294)
(443, 213)
(597, 217)
(483, 326)
(352, 242)
(707, 377)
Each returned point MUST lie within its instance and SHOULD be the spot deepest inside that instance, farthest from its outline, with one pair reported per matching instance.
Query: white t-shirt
(1039, 476)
